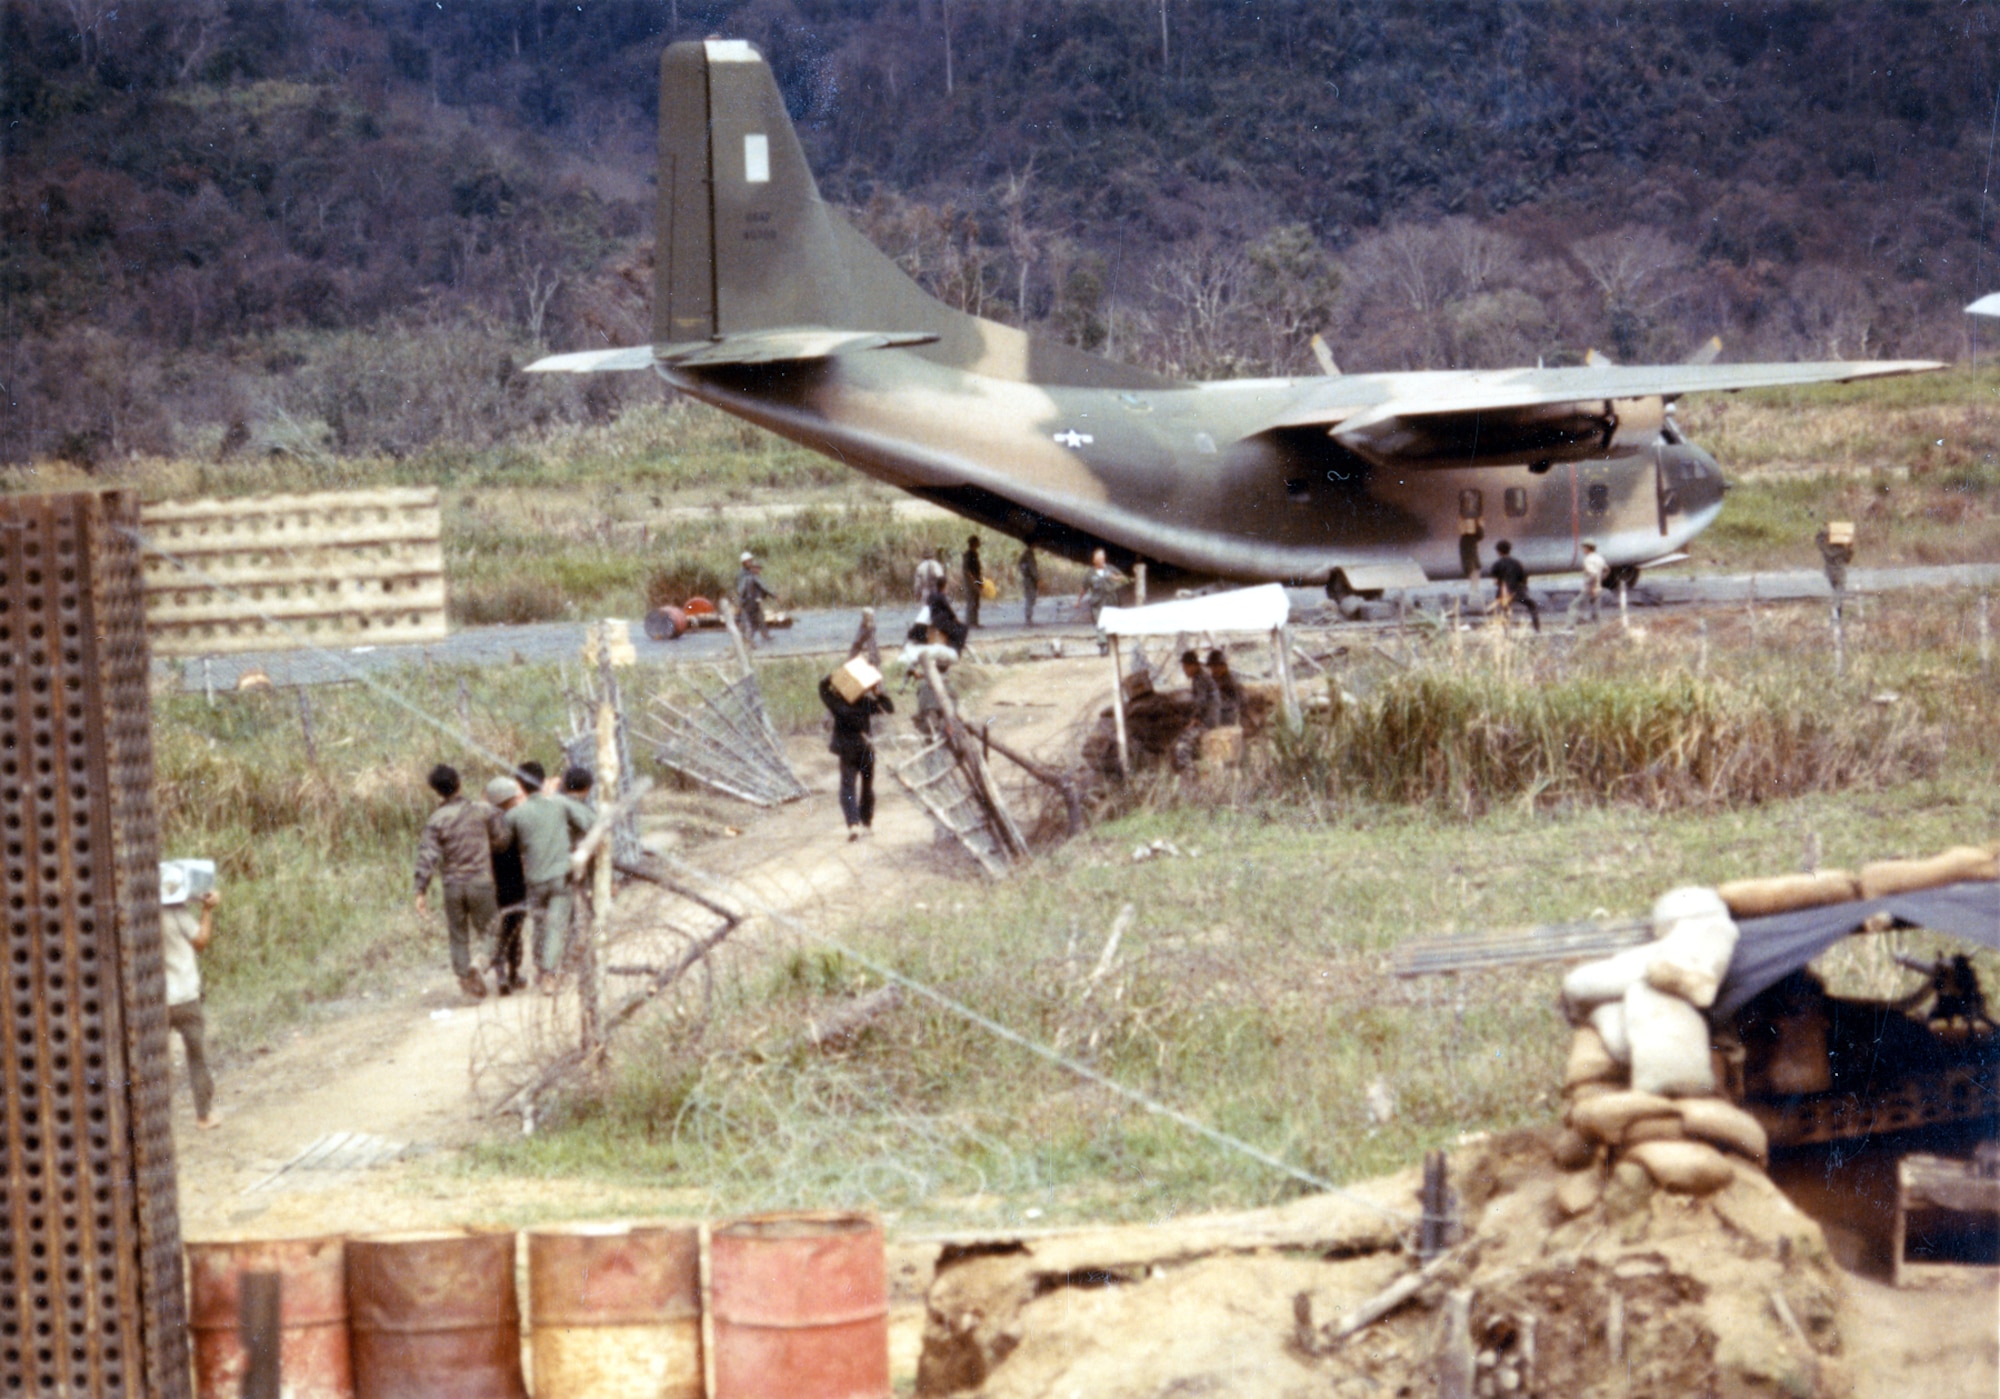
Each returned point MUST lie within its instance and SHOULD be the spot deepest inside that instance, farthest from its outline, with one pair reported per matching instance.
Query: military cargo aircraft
(770, 306)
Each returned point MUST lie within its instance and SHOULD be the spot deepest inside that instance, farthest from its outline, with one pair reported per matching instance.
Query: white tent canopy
(1987, 305)
(1262, 609)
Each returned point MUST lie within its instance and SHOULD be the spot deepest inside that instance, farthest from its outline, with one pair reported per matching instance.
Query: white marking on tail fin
(757, 159)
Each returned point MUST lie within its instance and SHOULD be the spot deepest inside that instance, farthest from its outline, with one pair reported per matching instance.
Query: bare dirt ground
(414, 1064)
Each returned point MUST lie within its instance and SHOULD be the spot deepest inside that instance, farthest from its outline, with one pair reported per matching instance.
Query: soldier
(864, 644)
(1228, 691)
(1595, 570)
(750, 595)
(457, 845)
(974, 572)
(1100, 589)
(544, 826)
(1207, 710)
(930, 576)
(1031, 581)
(183, 933)
(1511, 584)
(1836, 552)
(510, 891)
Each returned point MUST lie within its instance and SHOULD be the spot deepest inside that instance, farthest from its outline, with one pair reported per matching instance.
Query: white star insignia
(1073, 439)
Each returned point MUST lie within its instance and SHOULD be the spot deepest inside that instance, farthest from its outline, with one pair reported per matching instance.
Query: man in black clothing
(851, 743)
(510, 889)
(1512, 581)
(975, 579)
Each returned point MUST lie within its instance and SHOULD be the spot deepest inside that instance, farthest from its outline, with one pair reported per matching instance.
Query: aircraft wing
(792, 343)
(1364, 405)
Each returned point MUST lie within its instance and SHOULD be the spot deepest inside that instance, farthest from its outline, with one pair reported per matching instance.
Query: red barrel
(434, 1316)
(312, 1315)
(616, 1311)
(801, 1308)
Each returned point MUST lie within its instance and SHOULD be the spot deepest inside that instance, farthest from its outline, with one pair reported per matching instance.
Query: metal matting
(932, 775)
(724, 740)
(338, 568)
(90, 1268)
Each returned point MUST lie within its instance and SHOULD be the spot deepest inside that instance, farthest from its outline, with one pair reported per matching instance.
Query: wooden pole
(607, 783)
(959, 738)
(1281, 642)
(1118, 708)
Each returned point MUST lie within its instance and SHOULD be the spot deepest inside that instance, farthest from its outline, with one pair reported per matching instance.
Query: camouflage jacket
(458, 843)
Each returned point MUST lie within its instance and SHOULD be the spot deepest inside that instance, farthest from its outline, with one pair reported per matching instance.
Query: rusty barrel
(801, 1308)
(615, 1311)
(434, 1316)
(312, 1315)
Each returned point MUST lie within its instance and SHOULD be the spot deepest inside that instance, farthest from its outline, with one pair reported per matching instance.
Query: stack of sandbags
(1758, 898)
(1640, 1083)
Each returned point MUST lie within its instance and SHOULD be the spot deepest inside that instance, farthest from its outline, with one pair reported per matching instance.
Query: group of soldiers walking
(504, 866)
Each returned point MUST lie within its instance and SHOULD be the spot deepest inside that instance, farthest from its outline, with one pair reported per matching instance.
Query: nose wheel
(1625, 576)
(1345, 599)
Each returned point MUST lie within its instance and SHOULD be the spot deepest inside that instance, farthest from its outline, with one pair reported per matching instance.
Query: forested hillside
(338, 226)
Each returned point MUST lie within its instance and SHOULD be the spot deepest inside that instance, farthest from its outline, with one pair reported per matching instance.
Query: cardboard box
(1840, 532)
(856, 679)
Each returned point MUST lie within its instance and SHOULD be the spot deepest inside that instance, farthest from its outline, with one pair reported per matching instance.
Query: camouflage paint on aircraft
(770, 306)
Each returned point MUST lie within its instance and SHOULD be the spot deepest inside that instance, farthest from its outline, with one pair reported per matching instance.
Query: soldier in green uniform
(543, 826)
(457, 846)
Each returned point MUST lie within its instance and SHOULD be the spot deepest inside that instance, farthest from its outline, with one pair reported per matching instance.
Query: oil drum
(434, 1316)
(801, 1308)
(312, 1315)
(615, 1312)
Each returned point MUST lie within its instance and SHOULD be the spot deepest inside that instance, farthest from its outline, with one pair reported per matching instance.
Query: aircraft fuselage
(1192, 481)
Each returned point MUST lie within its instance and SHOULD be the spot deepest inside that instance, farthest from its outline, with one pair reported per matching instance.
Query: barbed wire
(734, 889)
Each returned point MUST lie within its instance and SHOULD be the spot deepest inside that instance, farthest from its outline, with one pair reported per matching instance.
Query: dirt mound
(1646, 1293)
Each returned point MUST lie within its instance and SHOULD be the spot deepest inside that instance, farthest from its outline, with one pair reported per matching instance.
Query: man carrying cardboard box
(1836, 551)
(853, 696)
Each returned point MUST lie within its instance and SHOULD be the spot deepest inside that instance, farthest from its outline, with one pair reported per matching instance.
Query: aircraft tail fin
(745, 245)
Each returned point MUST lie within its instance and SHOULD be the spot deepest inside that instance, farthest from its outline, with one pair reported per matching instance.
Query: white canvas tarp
(1261, 609)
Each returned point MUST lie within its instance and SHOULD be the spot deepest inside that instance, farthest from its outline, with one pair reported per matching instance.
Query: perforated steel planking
(90, 1270)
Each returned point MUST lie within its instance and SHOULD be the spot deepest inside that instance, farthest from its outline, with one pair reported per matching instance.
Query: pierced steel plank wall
(90, 1270)
(340, 568)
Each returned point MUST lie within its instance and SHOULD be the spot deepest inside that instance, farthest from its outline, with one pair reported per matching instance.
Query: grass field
(1250, 988)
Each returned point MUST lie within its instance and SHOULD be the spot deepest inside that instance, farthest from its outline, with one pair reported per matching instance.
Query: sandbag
(1572, 1150)
(1605, 1117)
(1689, 1168)
(1579, 1191)
(1589, 1060)
(1669, 1044)
(1785, 893)
(1594, 983)
(1608, 1020)
(1691, 960)
(1685, 901)
(1954, 866)
(1653, 1129)
(1722, 1123)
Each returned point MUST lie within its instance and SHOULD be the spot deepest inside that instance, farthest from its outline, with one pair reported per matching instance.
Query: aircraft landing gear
(1624, 576)
(1346, 600)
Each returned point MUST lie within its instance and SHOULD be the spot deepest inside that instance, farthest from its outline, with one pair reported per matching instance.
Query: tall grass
(1468, 742)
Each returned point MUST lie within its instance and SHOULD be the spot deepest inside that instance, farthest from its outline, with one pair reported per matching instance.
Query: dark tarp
(1769, 949)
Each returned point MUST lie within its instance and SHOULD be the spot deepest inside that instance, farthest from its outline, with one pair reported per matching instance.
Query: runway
(829, 631)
